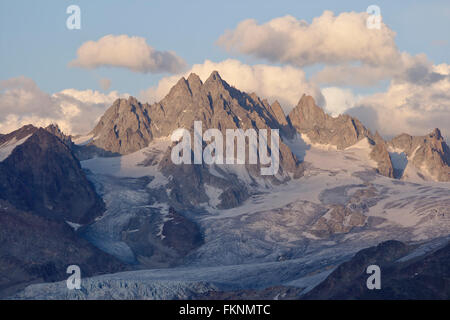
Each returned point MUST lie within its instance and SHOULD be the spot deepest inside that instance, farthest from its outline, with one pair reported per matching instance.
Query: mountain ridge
(128, 125)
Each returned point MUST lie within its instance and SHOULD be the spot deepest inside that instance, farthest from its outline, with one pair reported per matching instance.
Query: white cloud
(75, 111)
(351, 53)
(285, 84)
(327, 39)
(339, 100)
(405, 107)
(127, 52)
(414, 108)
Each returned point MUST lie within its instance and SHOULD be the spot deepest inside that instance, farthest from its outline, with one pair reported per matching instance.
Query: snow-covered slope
(7, 147)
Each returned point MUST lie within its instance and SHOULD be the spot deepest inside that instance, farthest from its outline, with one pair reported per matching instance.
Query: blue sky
(393, 84)
(35, 42)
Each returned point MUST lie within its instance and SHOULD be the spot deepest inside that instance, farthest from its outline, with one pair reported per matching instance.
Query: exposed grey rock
(56, 131)
(380, 154)
(36, 249)
(429, 152)
(339, 219)
(342, 131)
(424, 277)
(128, 125)
(124, 128)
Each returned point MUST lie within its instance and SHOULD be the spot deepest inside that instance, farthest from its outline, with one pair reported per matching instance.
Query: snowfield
(9, 146)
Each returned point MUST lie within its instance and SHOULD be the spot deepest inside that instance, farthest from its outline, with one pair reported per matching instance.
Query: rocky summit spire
(279, 113)
(215, 76)
(342, 131)
(124, 128)
(194, 82)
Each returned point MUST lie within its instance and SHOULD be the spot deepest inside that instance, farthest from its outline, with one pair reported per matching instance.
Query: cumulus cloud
(75, 111)
(327, 39)
(415, 69)
(285, 84)
(414, 108)
(339, 100)
(351, 53)
(405, 107)
(123, 51)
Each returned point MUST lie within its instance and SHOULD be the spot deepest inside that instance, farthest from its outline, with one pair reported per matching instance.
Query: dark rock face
(425, 277)
(429, 152)
(56, 131)
(188, 183)
(167, 245)
(41, 186)
(37, 249)
(340, 220)
(181, 234)
(43, 176)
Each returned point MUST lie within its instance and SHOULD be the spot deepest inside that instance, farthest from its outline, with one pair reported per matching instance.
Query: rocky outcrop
(161, 241)
(36, 249)
(342, 131)
(43, 176)
(180, 233)
(43, 192)
(124, 128)
(381, 155)
(428, 154)
(426, 276)
(338, 219)
(56, 131)
(18, 134)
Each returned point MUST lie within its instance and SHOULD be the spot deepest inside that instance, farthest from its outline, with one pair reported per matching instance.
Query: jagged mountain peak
(194, 81)
(427, 156)
(18, 134)
(436, 133)
(342, 131)
(307, 101)
(124, 127)
(214, 77)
